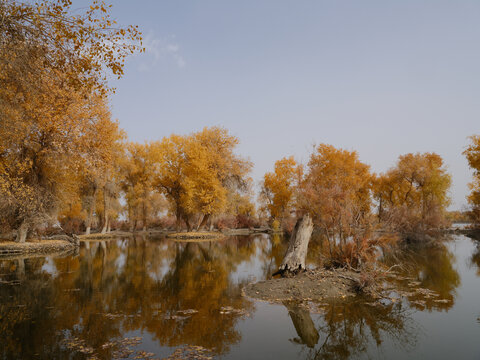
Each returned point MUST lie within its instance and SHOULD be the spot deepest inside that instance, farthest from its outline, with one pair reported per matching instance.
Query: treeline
(348, 202)
(64, 160)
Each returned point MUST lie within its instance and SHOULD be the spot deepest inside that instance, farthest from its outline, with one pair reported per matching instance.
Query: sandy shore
(10, 248)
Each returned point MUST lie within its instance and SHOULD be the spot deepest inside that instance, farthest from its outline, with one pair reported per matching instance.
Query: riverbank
(196, 236)
(11, 248)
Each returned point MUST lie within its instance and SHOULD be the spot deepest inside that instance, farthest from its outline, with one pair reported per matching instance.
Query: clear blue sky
(381, 77)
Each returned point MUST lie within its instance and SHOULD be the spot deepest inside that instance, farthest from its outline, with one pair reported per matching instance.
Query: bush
(358, 254)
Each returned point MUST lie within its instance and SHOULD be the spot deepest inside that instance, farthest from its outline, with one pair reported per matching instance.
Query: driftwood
(294, 260)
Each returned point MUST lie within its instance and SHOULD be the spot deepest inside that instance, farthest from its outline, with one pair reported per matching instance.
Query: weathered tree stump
(294, 260)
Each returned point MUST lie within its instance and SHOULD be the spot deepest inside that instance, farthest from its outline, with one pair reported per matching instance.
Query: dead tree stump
(294, 260)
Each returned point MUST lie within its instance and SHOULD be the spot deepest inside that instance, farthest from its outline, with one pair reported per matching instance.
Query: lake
(148, 297)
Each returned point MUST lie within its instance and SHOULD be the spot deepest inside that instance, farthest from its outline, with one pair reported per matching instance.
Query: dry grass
(196, 236)
(109, 235)
(34, 246)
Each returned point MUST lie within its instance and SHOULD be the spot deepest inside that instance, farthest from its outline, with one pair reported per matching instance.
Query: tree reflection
(120, 286)
(303, 323)
(475, 257)
(429, 267)
(347, 329)
(125, 287)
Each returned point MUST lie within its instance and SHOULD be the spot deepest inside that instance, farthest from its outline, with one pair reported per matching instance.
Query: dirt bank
(11, 248)
(110, 235)
(196, 236)
(312, 285)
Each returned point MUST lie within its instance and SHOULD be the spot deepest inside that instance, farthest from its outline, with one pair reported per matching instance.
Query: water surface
(157, 295)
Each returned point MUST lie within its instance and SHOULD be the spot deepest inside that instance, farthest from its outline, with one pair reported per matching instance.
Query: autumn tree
(279, 188)
(336, 192)
(413, 195)
(138, 170)
(104, 142)
(79, 45)
(53, 67)
(197, 171)
(472, 153)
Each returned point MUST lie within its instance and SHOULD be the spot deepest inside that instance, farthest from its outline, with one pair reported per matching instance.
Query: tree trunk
(22, 232)
(109, 225)
(104, 228)
(144, 216)
(187, 221)
(130, 222)
(204, 221)
(294, 260)
(105, 211)
(88, 221)
(179, 219)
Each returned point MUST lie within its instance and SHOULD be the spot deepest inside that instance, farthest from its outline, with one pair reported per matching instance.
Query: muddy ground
(312, 285)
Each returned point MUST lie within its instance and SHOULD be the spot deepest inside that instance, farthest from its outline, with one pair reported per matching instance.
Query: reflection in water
(347, 329)
(125, 285)
(304, 325)
(475, 258)
(427, 267)
(181, 293)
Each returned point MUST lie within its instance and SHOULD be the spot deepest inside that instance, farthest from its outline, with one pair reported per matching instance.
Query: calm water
(83, 305)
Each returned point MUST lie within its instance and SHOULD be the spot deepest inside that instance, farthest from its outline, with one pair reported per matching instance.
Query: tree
(472, 153)
(169, 154)
(413, 196)
(137, 184)
(52, 77)
(337, 193)
(79, 46)
(104, 141)
(196, 173)
(279, 188)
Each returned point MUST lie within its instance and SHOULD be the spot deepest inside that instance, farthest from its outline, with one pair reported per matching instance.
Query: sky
(383, 77)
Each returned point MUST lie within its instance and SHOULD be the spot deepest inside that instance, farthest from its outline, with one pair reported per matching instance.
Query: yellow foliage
(336, 191)
(472, 153)
(278, 188)
(196, 172)
(413, 195)
(56, 126)
(80, 46)
(138, 169)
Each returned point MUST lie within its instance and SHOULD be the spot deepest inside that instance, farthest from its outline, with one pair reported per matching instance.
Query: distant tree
(138, 169)
(337, 193)
(413, 195)
(196, 173)
(279, 188)
(472, 153)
